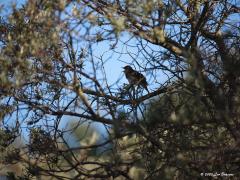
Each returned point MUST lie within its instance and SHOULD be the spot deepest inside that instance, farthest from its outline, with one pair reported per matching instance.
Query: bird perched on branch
(135, 77)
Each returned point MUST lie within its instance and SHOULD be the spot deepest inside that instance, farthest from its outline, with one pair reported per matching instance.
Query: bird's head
(127, 68)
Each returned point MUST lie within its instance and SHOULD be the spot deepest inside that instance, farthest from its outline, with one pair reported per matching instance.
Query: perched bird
(135, 78)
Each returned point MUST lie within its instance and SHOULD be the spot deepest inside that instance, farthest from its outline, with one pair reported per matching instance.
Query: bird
(135, 77)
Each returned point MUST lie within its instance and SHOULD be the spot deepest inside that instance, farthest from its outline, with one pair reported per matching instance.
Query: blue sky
(114, 65)
(115, 61)
(7, 4)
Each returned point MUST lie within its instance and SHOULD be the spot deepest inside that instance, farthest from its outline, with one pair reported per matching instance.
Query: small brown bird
(135, 78)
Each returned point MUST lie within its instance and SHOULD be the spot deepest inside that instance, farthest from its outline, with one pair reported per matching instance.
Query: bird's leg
(130, 89)
(138, 91)
(134, 93)
(147, 90)
(141, 89)
(127, 90)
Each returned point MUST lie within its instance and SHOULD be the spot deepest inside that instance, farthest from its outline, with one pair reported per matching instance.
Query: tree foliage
(57, 59)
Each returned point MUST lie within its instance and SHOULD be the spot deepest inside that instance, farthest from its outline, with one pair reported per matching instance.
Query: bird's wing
(140, 78)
